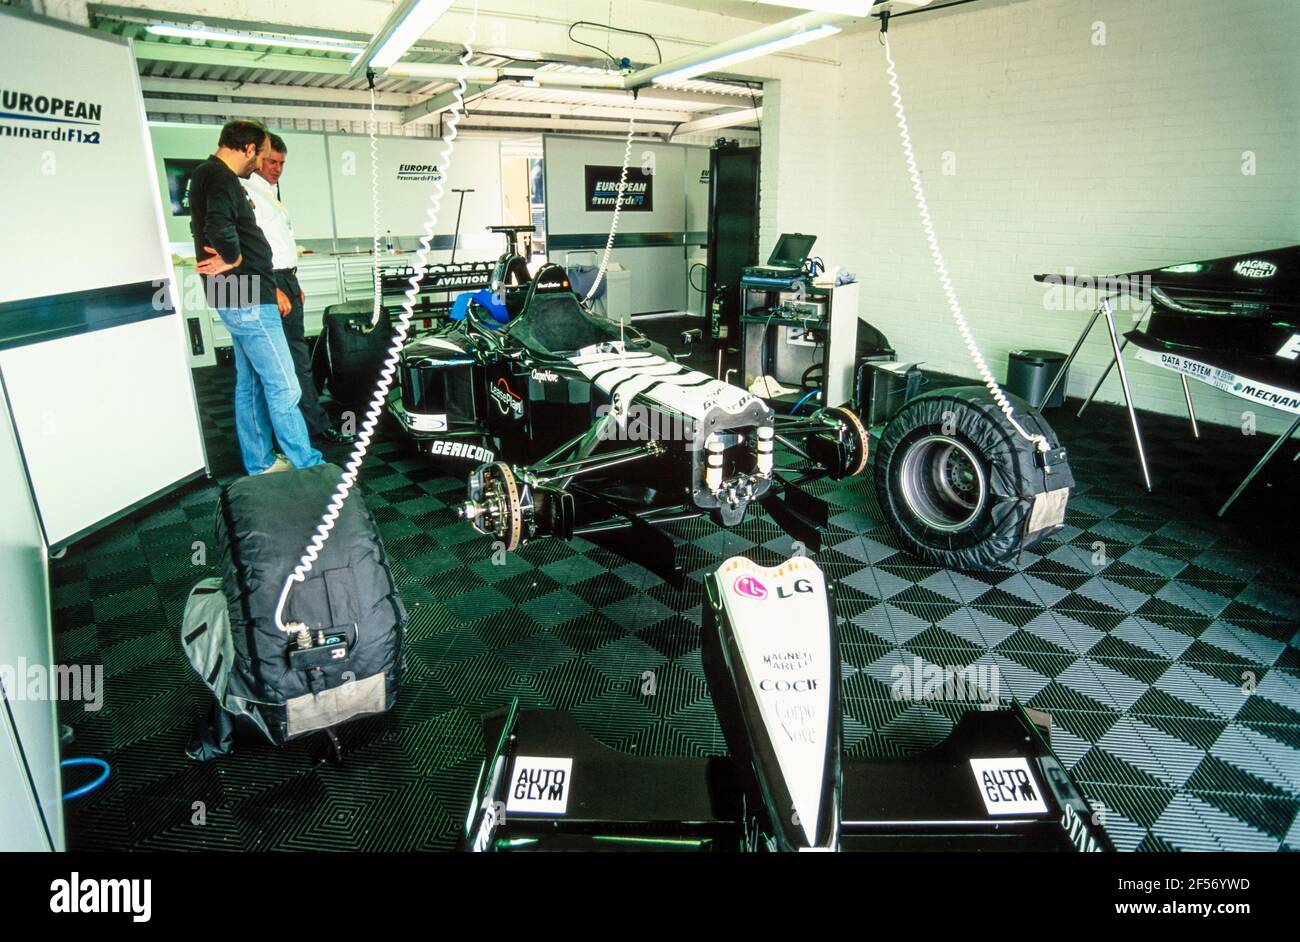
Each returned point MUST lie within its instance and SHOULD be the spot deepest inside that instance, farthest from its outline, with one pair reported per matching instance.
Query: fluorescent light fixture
(847, 7)
(202, 34)
(415, 20)
(742, 55)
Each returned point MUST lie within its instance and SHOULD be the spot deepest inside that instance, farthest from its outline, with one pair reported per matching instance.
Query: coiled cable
(373, 126)
(618, 204)
(1039, 441)
(353, 466)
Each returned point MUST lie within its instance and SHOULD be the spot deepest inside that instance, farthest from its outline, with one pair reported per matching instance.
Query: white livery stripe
(658, 382)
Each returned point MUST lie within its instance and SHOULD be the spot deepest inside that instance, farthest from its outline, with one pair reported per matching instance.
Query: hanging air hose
(954, 478)
(373, 127)
(380, 395)
(618, 202)
(1039, 441)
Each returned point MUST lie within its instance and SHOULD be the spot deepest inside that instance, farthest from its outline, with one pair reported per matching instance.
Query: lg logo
(800, 586)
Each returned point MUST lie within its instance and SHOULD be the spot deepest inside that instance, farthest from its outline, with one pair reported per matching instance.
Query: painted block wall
(1106, 136)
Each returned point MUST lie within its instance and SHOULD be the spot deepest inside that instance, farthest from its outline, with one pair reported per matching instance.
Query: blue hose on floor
(86, 789)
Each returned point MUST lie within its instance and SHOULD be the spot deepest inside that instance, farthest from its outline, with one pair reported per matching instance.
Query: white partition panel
(406, 168)
(32, 816)
(650, 244)
(91, 348)
(93, 450)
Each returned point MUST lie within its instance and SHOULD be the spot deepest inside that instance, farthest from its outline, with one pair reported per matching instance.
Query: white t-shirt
(273, 219)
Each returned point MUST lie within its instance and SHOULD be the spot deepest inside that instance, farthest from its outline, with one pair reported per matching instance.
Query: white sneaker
(281, 463)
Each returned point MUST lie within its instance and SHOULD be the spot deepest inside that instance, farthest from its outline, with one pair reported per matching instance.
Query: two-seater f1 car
(567, 424)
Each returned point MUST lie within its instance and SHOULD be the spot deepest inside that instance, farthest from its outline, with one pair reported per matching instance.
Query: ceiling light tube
(847, 7)
(488, 74)
(761, 42)
(436, 70)
(742, 55)
(202, 34)
(858, 8)
(558, 79)
(404, 27)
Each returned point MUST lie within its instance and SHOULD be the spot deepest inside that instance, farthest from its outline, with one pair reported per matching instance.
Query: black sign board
(178, 183)
(602, 190)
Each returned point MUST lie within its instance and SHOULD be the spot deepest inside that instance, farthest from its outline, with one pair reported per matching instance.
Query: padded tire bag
(264, 523)
(960, 487)
(354, 355)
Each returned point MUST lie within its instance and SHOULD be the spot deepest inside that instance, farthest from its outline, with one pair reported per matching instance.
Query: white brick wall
(1066, 154)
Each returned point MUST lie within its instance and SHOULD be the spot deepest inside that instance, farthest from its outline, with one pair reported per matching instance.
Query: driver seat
(553, 320)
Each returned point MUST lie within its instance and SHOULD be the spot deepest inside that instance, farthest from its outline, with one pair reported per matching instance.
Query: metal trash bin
(1030, 372)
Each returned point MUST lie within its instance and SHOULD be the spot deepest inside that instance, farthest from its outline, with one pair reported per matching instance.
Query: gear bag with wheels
(348, 661)
(961, 487)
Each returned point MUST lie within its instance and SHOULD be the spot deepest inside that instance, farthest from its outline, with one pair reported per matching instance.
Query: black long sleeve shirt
(222, 216)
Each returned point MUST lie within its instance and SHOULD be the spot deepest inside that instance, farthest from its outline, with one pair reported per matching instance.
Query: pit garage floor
(1141, 662)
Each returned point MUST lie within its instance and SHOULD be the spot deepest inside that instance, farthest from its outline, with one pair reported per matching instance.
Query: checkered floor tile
(1162, 641)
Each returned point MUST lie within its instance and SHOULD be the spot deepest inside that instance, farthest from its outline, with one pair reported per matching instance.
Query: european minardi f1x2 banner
(602, 190)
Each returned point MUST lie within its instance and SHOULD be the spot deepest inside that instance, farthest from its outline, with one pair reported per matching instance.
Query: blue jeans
(266, 390)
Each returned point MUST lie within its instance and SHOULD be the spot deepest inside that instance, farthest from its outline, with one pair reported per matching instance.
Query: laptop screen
(791, 250)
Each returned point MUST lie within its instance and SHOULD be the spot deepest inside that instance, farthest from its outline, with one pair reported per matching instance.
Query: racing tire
(958, 484)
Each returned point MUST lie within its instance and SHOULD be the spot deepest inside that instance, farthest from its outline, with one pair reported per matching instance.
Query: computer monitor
(791, 250)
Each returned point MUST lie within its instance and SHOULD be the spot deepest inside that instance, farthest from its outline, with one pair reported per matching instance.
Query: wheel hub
(943, 482)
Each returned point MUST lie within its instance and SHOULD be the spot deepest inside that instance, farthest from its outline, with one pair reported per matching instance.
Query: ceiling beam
(663, 98)
(152, 50)
(178, 86)
(713, 122)
(432, 107)
(617, 128)
(579, 110)
(242, 109)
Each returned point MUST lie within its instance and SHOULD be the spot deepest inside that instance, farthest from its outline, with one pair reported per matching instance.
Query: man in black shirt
(234, 259)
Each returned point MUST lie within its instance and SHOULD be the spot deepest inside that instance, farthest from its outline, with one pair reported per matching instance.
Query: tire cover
(1014, 475)
(264, 523)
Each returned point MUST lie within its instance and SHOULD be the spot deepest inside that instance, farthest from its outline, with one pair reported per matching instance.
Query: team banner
(602, 189)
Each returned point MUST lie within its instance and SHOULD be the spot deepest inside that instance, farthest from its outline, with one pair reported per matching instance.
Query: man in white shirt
(263, 187)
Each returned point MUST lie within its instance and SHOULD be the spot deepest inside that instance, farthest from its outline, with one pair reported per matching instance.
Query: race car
(566, 424)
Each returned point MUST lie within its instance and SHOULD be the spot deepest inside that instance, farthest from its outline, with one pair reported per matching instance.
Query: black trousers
(295, 333)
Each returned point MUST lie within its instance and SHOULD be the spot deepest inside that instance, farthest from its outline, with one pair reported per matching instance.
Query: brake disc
(501, 505)
(857, 439)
